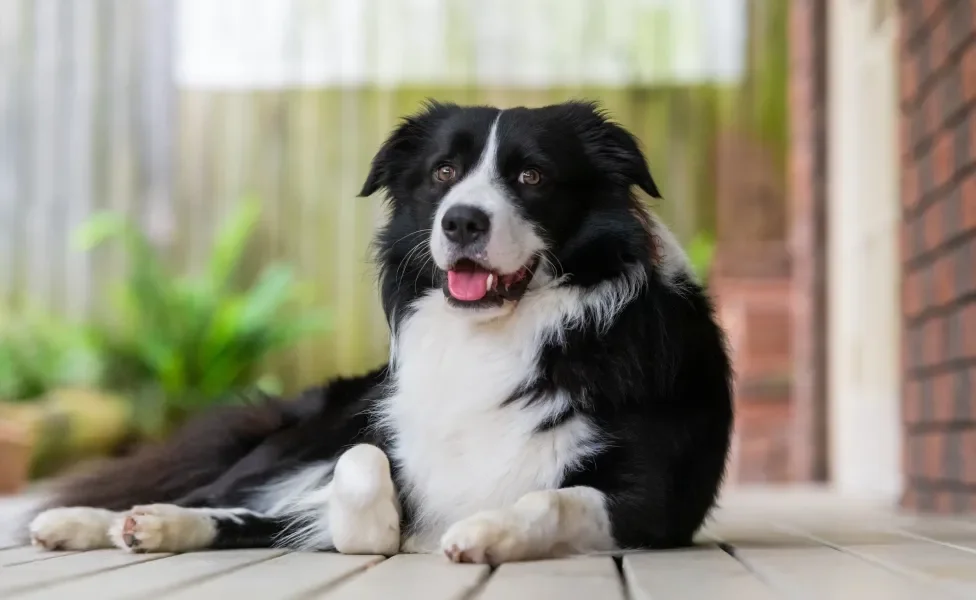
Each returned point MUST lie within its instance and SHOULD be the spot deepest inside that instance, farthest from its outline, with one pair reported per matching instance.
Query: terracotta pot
(15, 457)
(71, 426)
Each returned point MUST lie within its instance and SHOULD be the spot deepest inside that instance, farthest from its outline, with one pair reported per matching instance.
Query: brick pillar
(750, 282)
(807, 181)
(937, 54)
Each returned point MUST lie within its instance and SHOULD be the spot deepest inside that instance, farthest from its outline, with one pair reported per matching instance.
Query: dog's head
(486, 203)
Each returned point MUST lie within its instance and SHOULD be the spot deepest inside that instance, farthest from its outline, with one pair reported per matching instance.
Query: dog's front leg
(544, 524)
(363, 511)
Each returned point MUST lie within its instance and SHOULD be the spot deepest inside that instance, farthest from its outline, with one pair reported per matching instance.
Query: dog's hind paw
(74, 528)
(163, 528)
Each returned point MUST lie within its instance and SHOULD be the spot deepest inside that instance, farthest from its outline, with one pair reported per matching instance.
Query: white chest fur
(459, 450)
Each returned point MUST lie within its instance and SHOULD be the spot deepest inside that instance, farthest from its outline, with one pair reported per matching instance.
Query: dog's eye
(444, 173)
(530, 177)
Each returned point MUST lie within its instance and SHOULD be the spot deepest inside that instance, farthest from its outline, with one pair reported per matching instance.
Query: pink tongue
(468, 286)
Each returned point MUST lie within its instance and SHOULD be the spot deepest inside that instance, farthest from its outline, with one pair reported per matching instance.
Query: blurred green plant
(39, 353)
(701, 250)
(179, 344)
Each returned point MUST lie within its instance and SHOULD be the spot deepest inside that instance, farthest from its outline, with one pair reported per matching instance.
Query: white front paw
(490, 537)
(375, 530)
(163, 528)
(363, 513)
(75, 528)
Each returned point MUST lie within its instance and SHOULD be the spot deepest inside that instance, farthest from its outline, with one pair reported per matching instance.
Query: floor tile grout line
(622, 578)
(479, 587)
(207, 577)
(924, 538)
(330, 586)
(81, 576)
(765, 578)
(40, 558)
(907, 573)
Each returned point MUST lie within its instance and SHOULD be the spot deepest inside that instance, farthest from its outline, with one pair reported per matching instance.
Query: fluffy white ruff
(461, 450)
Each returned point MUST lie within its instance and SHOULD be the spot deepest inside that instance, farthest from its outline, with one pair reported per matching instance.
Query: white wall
(524, 43)
(863, 251)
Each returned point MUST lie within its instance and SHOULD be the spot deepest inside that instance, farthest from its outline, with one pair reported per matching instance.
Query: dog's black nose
(465, 225)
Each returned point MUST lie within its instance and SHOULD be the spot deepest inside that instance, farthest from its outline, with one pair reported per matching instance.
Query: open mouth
(472, 284)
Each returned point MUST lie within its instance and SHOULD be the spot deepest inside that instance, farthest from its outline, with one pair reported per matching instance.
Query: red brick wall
(756, 315)
(750, 281)
(808, 224)
(937, 48)
(769, 277)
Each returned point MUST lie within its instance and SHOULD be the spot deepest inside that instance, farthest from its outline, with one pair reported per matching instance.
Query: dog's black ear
(612, 147)
(625, 151)
(376, 178)
(401, 146)
(380, 170)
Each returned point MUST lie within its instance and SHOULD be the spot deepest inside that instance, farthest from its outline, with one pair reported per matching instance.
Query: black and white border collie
(557, 383)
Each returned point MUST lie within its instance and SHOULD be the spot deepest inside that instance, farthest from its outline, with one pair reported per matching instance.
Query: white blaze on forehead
(513, 240)
(480, 187)
(487, 168)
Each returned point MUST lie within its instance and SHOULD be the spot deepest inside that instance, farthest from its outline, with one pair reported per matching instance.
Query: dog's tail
(193, 457)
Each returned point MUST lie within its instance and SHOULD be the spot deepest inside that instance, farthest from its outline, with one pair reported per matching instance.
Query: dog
(557, 382)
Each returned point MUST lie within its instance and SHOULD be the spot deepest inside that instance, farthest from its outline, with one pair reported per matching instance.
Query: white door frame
(864, 311)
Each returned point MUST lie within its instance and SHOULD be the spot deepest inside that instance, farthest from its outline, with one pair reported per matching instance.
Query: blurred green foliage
(701, 250)
(765, 88)
(39, 353)
(178, 344)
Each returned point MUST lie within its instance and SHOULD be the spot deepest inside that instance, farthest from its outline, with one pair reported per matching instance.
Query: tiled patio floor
(800, 544)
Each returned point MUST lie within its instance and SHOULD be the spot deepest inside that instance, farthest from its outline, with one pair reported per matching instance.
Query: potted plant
(181, 343)
(15, 456)
(41, 360)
